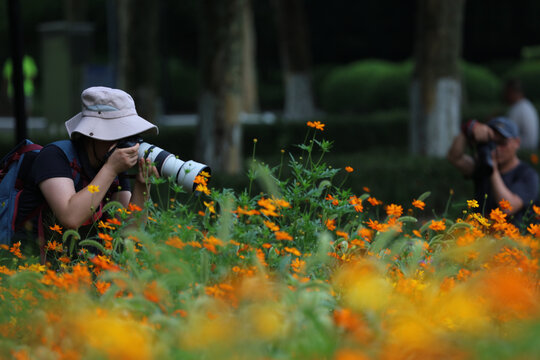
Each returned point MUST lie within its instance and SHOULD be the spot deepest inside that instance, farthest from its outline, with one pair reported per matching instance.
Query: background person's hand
(481, 133)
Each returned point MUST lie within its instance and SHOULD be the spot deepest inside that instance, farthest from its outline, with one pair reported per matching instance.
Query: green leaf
(424, 196)
(93, 243)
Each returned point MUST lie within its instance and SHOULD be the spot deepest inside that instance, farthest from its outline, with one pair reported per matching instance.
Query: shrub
(480, 85)
(370, 85)
(365, 85)
(528, 72)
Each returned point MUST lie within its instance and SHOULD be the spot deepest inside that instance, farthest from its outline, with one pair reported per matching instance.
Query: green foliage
(528, 72)
(370, 85)
(480, 84)
(366, 85)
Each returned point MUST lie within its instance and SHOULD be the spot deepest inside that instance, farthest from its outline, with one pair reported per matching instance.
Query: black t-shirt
(49, 163)
(522, 181)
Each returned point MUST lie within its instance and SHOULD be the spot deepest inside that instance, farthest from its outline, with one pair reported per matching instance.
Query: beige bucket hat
(107, 114)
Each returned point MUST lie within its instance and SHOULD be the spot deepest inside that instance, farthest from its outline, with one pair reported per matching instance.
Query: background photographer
(75, 189)
(495, 167)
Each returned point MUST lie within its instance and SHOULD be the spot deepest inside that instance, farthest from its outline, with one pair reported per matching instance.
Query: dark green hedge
(371, 85)
(528, 72)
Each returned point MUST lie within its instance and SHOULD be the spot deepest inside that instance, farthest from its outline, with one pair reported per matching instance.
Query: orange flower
(133, 207)
(282, 235)
(365, 234)
(54, 246)
(534, 229)
(497, 215)
(331, 224)
(271, 225)
(343, 234)
(175, 241)
(245, 211)
(293, 251)
(349, 169)
(56, 228)
(357, 203)
(505, 205)
(16, 250)
(375, 225)
(437, 225)
(102, 286)
(114, 221)
(373, 201)
(394, 210)
(334, 201)
(316, 124)
(419, 204)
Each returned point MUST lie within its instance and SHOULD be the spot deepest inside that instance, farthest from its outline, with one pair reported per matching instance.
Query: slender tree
(435, 98)
(138, 53)
(250, 94)
(220, 103)
(293, 38)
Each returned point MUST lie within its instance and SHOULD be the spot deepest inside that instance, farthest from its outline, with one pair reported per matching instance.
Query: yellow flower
(472, 204)
(93, 188)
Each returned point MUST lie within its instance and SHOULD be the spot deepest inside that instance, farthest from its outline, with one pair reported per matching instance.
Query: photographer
(495, 168)
(75, 189)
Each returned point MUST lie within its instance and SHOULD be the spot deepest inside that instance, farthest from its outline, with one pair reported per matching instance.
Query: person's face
(506, 148)
(96, 150)
(102, 147)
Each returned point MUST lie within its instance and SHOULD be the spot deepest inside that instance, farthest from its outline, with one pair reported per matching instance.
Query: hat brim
(108, 129)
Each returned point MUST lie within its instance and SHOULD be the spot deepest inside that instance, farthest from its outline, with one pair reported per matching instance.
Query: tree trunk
(435, 94)
(219, 129)
(138, 53)
(293, 37)
(250, 93)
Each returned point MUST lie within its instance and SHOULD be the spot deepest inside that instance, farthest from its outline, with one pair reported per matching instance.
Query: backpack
(11, 183)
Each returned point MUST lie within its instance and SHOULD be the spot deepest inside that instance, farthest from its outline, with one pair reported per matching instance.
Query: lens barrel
(168, 165)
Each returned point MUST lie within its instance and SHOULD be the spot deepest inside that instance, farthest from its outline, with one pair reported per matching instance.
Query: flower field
(302, 270)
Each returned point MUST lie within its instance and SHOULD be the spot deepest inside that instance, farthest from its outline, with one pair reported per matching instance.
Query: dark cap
(504, 126)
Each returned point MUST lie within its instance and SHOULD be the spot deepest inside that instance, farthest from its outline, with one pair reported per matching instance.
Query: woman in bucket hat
(75, 189)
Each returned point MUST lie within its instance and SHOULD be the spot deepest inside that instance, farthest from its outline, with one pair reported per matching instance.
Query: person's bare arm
(457, 156)
(73, 208)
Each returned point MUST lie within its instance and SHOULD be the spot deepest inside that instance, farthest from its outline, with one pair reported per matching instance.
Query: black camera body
(484, 157)
(129, 142)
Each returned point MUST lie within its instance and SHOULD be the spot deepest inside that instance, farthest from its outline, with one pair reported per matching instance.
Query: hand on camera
(481, 133)
(123, 159)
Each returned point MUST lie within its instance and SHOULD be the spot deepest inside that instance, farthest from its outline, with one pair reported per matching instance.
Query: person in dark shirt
(73, 197)
(505, 176)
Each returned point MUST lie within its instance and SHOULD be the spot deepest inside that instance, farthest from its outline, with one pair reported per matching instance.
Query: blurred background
(392, 80)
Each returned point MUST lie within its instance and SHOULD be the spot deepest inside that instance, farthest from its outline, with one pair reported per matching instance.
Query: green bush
(366, 85)
(370, 85)
(528, 72)
(480, 84)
